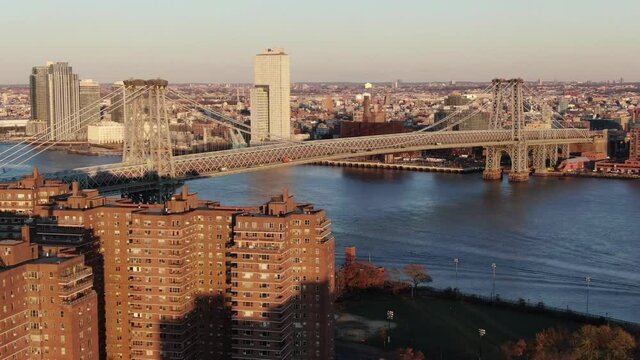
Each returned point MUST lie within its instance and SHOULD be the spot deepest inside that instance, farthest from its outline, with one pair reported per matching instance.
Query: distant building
(106, 132)
(573, 164)
(631, 165)
(117, 102)
(89, 102)
(366, 108)
(260, 114)
(478, 121)
(456, 99)
(328, 104)
(270, 98)
(56, 96)
(38, 88)
(563, 105)
(358, 128)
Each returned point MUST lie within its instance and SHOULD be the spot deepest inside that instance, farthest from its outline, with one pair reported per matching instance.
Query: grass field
(442, 328)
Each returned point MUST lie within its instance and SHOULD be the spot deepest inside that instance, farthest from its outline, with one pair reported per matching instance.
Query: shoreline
(405, 167)
(76, 148)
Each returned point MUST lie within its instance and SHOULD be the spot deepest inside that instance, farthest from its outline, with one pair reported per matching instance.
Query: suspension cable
(229, 119)
(133, 96)
(45, 132)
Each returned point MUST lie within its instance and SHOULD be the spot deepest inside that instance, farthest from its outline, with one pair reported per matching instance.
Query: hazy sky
(328, 40)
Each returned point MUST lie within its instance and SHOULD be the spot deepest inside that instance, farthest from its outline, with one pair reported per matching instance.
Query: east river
(545, 236)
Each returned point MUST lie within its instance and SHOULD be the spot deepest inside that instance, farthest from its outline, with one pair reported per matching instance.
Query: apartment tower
(270, 97)
(89, 103)
(55, 98)
(49, 308)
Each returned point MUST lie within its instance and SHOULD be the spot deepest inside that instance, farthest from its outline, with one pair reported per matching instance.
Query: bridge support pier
(564, 150)
(540, 159)
(492, 169)
(519, 162)
(552, 154)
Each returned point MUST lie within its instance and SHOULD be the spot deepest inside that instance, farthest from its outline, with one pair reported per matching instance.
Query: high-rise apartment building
(55, 100)
(89, 103)
(48, 308)
(117, 102)
(39, 109)
(270, 99)
(63, 101)
(192, 279)
(38, 89)
(282, 283)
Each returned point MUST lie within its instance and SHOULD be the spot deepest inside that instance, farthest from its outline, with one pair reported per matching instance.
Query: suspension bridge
(148, 163)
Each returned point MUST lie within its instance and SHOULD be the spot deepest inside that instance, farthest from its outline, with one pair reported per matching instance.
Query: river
(545, 236)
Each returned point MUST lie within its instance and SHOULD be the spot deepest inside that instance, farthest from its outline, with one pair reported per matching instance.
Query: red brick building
(192, 279)
(48, 308)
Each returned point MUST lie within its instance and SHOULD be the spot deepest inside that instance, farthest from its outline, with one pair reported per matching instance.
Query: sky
(214, 41)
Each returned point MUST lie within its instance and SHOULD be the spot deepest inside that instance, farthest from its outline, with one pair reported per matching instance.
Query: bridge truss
(148, 160)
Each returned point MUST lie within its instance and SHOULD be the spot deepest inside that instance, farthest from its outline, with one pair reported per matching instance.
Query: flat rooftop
(10, 242)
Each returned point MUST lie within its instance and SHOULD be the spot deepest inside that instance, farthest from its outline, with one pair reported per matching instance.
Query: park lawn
(448, 329)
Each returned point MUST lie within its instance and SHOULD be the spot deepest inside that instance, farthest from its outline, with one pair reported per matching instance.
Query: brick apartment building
(48, 305)
(632, 164)
(192, 279)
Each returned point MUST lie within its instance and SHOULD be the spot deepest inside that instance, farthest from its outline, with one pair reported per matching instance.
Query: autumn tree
(603, 342)
(409, 354)
(552, 344)
(512, 349)
(359, 275)
(590, 342)
(417, 274)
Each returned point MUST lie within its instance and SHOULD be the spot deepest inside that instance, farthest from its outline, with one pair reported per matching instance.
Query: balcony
(80, 274)
(79, 299)
(86, 283)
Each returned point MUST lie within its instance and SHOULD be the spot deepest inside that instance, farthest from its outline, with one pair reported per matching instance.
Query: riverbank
(76, 147)
(408, 167)
(598, 175)
(444, 324)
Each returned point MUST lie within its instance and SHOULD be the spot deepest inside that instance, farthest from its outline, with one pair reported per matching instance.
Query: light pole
(481, 332)
(493, 292)
(588, 279)
(455, 262)
(389, 318)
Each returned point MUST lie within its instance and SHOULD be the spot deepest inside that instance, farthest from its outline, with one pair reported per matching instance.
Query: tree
(512, 349)
(588, 343)
(552, 344)
(417, 274)
(409, 354)
(603, 342)
(359, 275)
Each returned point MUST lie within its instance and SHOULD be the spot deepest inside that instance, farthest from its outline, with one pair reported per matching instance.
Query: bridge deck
(221, 163)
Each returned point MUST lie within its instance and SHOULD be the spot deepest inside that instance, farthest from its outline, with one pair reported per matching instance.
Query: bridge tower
(508, 111)
(147, 136)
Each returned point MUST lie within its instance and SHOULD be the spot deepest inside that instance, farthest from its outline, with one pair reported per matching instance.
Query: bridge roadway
(115, 177)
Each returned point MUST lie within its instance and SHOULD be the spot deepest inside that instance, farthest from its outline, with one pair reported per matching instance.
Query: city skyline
(417, 41)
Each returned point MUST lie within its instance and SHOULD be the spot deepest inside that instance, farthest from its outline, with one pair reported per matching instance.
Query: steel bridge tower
(508, 113)
(147, 137)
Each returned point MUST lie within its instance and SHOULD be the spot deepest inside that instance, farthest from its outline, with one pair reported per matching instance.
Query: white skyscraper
(270, 97)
